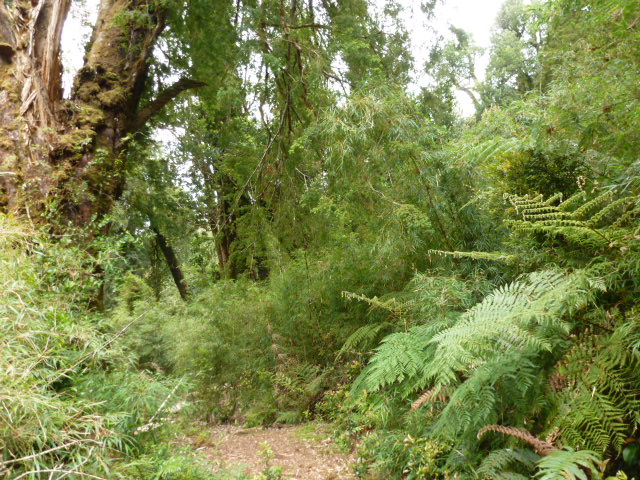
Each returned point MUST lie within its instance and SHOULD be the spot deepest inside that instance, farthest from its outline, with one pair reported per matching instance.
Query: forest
(244, 214)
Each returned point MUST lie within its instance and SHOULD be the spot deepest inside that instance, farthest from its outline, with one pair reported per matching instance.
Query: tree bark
(67, 155)
(173, 263)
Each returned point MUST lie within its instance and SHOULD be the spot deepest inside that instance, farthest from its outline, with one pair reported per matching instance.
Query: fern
(391, 305)
(401, 358)
(598, 223)
(493, 256)
(363, 337)
(568, 464)
(542, 447)
(526, 314)
(494, 346)
(535, 357)
(602, 397)
(508, 464)
(366, 335)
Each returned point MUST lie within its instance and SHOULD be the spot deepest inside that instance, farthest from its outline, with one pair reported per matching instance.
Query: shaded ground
(305, 452)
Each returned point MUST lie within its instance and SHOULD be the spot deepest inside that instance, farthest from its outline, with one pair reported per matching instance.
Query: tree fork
(68, 154)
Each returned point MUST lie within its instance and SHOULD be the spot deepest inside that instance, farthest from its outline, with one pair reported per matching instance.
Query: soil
(305, 452)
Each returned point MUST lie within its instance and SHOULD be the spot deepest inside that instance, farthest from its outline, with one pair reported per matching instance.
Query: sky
(474, 16)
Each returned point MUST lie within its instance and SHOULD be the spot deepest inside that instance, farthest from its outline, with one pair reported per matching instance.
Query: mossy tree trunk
(66, 155)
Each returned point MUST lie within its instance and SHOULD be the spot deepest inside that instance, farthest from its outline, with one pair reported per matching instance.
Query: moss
(88, 90)
(111, 77)
(112, 98)
(5, 142)
(90, 116)
(8, 84)
(98, 83)
(77, 138)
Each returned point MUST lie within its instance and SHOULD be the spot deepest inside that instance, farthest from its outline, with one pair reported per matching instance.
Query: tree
(514, 65)
(451, 64)
(283, 65)
(67, 154)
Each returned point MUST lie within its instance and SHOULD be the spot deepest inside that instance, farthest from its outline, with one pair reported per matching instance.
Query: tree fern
(493, 346)
(524, 315)
(496, 361)
(493, 256)
(363, 337)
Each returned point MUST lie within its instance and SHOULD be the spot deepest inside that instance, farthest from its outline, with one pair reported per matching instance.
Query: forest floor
(302, 452)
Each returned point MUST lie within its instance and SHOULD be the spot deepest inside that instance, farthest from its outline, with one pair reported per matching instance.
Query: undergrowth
(72, 401)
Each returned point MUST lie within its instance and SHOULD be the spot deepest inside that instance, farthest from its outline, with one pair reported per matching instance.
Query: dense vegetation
(458, 297)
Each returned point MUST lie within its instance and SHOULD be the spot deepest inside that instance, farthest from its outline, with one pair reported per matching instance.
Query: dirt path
(304, 452)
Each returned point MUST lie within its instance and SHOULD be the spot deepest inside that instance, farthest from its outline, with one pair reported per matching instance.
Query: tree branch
(162, 99)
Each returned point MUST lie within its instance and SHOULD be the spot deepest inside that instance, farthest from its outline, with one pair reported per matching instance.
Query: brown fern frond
(553, 436)
(436, 393)
(540, 446)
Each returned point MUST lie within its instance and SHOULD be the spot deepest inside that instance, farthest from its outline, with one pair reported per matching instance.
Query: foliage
(71, 402)
(458, 296)
(567, 464)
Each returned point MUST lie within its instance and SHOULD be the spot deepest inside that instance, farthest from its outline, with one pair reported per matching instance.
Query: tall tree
(514, 66)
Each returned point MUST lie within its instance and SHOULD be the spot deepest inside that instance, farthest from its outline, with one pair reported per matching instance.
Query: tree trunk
(173, 263)
(225, 229)
(66, 156)
(220, 215)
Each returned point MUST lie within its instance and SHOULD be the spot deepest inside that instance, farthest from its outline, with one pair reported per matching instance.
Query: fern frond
(568, 464)
(494, 256)
(401, 357)
(391, 305)
(516, 316)
(499, 464)
(592, 204)
(574, 200)
(438, 393)
(363, 337)
(540, 446)
(596, 223)
(596, 410)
